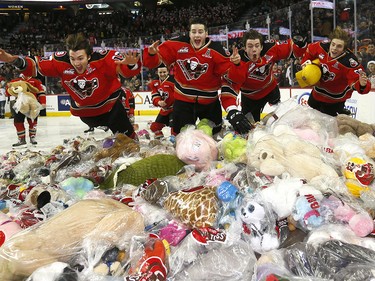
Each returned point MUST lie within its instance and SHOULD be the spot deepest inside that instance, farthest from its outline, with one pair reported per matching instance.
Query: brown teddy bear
(27, 102)
(347, 124)
(120, 145)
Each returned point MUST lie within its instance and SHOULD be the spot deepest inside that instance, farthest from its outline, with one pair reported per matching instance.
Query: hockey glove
(239, 121)
(300, 41)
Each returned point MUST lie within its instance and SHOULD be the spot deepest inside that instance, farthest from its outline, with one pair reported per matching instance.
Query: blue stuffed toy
(307, 212)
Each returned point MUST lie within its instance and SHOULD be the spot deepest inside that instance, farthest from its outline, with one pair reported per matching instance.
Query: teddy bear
(274, 155)
(367, 143)
(114, 147)
(347, 124)
(95, 222)
(27, 102)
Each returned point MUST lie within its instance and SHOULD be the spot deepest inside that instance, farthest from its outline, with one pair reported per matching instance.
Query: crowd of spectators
(34, 33)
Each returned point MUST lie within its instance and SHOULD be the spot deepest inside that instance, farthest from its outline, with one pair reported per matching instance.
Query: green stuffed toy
(233, 148)
(156, 166)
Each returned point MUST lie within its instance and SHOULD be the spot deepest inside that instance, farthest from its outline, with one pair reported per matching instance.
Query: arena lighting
(96, 6)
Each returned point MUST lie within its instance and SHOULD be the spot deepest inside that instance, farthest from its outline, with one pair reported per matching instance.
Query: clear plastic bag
(28, 105)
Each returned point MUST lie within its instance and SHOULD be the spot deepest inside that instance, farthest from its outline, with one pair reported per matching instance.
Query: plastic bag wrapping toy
(367, 142)
(308, 124)
(156, 166)
(53, 272)
(26, 102)
(313, 209)
(195, 207)
(339, 232)
(279, 110)
(359, 174)
(8, 228)
(116, 146)
(193, 146)
(259, 223)
(148, 259)
(271, 266)
(61, 237)
(343, 210)
(232, 148)
(326, 260)
(209, 253)
(274, 155)
(29, 161)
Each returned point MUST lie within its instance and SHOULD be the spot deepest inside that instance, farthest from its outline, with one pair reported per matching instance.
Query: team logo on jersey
(326, 74)
(164, 95)
(82, 87)
(183, 50)
(321, 56)
(118, 56)
(207, 54)
(192, 68)
(353, 62)
(103, 52)
(60, 54)
(260, 73)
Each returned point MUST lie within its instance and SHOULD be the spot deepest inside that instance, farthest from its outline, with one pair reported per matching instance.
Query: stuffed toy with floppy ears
(27, 102)
(259, 224)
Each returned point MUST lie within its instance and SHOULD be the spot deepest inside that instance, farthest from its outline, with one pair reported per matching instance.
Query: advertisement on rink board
(359, 105)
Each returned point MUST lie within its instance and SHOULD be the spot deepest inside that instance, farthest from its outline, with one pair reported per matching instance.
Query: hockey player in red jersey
(199, 66)
(341, 73)
(162, 94)
(252, 69)
(129, 104)
(90, 78)
(19, 118)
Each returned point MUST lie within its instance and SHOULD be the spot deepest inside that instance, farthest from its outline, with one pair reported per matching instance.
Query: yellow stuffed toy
(27, 102)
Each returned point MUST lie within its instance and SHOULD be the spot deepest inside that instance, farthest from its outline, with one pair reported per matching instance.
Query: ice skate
(20, 143)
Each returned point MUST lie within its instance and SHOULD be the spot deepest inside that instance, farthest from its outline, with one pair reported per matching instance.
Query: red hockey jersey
(340, 76)
(256, 78)
(197, 72)
(163, 91)
(128, 101)
(96, 90)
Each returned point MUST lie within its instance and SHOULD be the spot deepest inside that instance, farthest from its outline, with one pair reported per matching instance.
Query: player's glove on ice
(239, 121)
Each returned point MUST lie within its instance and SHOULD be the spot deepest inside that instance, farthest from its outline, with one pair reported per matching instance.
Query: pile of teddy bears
(294, 199)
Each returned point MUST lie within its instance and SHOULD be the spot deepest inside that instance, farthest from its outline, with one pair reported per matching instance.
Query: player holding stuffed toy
(90, 78)
(252, 69)
(19, 117)
(341, 73)
(162, 94)
(200, 65)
